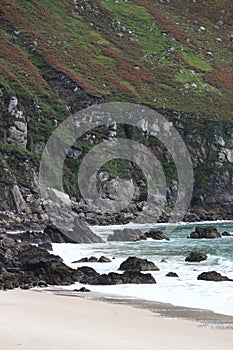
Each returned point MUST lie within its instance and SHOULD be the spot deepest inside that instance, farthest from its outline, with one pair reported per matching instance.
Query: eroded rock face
(59, 208)
(156, 235)
(126, 235)
(196, 257)
(213, 276)
(137, 264)
(26, 266)
(112, 278)
(205, 232)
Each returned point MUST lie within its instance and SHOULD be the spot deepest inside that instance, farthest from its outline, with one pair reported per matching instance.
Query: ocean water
(184, 290)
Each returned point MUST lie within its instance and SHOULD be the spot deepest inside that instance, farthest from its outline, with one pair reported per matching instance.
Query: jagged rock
(64, 219)
(135, 277)
(87, 274)
(17, 134)
(137, 264)
(172, 274)
(82, 260)
(82, 289)
(213, 276)
(156, 235)
(104, 259)
(20, 204)
(13, 103)
(205, 232)
(196, 257)
(47, 246)
(126, 235)
(227, 234)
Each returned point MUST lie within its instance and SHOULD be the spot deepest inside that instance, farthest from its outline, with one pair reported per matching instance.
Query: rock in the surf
(213, 276)
(196, 257)
(156, 235)
(126, 235)
(205, 232)
(172, 274)
(133, 263)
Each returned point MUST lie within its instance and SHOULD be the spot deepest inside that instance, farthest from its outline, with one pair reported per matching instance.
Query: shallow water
(185, 290)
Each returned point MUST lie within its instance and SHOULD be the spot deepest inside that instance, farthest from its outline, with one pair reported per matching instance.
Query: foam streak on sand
(37, 321)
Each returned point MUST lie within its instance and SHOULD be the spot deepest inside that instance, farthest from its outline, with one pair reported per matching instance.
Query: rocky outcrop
(213, 276)
(130, 277)
(26, 266)
(126, 235)
(172, 274)
(102, 259)
(65, 220)
(205, 232)
(227, 234)
(136, 264)
(196, 257)
(156, 235)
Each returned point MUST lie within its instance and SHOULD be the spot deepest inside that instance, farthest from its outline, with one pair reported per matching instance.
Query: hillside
(58, 57)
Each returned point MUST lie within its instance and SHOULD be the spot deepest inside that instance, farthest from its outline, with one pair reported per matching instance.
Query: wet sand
(41, 321)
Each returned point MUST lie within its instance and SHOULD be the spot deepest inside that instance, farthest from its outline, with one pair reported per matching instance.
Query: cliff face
(57, 58)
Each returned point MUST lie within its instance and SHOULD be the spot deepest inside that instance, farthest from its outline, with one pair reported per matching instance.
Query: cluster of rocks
(205, 232)
(93, 259)
(90, 276)
(26, 266)
(129, 235)
(213, 276)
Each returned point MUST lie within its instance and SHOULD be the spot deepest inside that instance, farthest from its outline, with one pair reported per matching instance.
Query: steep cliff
(58, 57)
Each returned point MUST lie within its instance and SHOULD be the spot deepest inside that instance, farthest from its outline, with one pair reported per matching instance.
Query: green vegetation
(64, 57)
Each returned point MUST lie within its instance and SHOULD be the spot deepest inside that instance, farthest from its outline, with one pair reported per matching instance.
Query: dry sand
(40, 321)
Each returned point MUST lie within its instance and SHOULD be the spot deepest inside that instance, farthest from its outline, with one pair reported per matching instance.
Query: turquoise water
(185, 290)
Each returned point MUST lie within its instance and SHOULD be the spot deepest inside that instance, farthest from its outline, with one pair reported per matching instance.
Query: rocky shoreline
(26, 264)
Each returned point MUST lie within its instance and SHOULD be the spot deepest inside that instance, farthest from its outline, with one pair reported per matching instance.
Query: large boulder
(131, 277)
(196, 257)
(136, 264)
(205, 232)
(126, 235)
(64, 219)
(213, 276)
(156, 235)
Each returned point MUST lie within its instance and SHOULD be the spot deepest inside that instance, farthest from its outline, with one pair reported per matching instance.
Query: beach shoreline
(39, 320)
(204, 317)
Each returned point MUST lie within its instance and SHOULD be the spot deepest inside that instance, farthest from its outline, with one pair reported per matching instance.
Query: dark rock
(163, 261)
(82, 289)
(56, 236)
(82, 260)
(126, 235)
(46, 246)
(172, 274)
(87, 274)
(196, 257)
(205, 232)
(137, 277)
(137, 264)
(92, 259)
(108, 279)
(213, 276)
(104, 259)
(227, 234)
(132, 277)
(156, 235)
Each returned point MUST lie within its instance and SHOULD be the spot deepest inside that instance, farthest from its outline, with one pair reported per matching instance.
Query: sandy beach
(41, 321)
